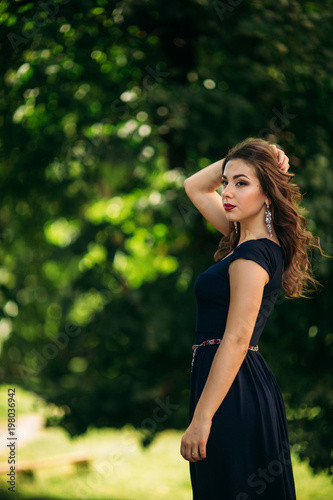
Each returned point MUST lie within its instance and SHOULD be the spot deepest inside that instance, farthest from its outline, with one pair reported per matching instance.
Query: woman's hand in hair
(282, 159)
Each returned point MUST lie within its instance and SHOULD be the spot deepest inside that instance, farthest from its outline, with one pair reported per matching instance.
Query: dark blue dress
(248, 455)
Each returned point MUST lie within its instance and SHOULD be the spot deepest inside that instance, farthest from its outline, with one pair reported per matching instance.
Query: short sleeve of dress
(258, 251)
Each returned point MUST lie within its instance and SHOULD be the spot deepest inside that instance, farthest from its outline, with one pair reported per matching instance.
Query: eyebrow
(235, 176)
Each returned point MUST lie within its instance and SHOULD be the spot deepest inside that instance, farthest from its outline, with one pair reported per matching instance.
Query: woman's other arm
(247, 281)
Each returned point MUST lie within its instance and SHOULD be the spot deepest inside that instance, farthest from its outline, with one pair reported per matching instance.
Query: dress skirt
(248, 455)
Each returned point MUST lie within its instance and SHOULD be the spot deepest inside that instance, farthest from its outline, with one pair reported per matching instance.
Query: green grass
(122, 470)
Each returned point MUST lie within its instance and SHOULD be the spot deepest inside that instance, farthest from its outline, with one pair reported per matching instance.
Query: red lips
(228, 206)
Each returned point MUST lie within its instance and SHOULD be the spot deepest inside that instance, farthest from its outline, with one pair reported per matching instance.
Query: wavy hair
(290, 226)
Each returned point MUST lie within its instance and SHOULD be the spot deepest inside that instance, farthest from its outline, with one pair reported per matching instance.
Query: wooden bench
(27, 467)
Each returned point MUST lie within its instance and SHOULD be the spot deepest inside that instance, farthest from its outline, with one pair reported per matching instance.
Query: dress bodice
(212, 289)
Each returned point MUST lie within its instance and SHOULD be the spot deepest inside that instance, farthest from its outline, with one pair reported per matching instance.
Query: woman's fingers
(285, 164)
(190, 452)
(280, 155)
(185, 450)
(275, 149)
(191, 455)
(202, 451)
(282, 158)
(194, 456)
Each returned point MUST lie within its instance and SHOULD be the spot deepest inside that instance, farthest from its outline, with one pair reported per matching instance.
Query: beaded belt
(213, 342)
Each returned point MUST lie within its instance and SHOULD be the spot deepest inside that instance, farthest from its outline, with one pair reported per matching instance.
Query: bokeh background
(106, 107)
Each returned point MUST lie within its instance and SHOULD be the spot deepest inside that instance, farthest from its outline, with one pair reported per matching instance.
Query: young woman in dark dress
(237, 441)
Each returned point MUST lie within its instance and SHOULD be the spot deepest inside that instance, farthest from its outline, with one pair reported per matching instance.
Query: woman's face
(242, 196)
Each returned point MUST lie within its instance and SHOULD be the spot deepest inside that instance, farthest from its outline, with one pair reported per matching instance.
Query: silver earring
(236, 227)
(268, 220)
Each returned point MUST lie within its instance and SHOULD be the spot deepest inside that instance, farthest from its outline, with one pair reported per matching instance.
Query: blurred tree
(106, 108)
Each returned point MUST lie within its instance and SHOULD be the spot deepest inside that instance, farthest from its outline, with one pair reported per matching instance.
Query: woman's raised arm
(201, 189)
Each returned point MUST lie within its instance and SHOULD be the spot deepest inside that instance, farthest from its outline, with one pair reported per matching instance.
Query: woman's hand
(282, 158)
(194, 440)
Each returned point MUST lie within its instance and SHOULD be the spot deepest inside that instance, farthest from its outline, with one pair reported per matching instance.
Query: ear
(267, 201)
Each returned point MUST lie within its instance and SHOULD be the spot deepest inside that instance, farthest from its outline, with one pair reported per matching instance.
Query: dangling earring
(236, 227)
(268, 220)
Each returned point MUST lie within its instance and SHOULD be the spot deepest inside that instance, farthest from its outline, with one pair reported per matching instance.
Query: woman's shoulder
(263, 247)
(260, 243)
(264, 251)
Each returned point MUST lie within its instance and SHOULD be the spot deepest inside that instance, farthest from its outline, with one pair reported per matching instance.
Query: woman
(237, 441)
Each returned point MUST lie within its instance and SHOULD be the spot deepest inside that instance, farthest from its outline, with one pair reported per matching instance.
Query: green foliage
(105, 110)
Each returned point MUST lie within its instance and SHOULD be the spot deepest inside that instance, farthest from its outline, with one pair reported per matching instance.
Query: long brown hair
(290, 226)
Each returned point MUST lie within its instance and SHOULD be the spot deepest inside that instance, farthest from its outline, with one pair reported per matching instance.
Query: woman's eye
(239, 183)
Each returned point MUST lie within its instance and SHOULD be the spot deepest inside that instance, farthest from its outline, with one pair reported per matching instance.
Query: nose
(227, 192)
